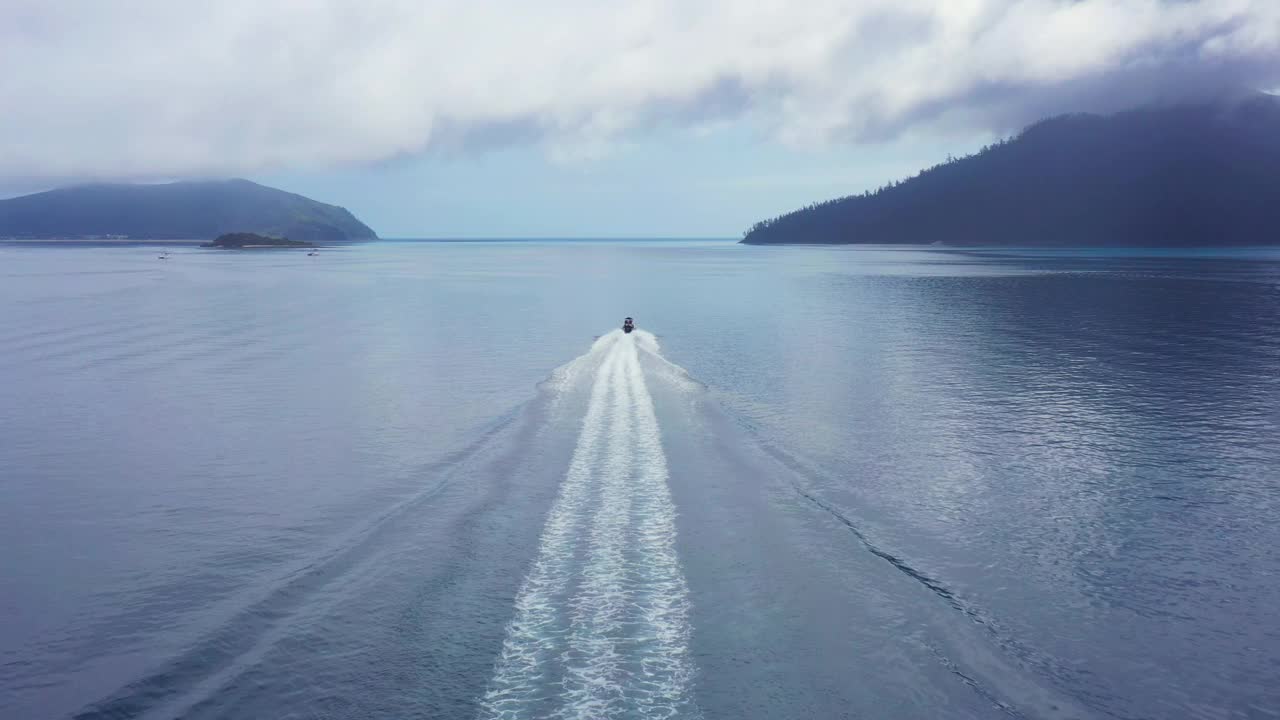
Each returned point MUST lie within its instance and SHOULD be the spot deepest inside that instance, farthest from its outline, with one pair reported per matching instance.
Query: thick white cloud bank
(167, 88)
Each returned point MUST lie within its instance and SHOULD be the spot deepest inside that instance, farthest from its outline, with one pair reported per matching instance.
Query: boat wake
(601, 626)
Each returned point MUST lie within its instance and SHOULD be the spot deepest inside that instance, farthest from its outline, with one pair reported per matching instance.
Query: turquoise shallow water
(413, 480)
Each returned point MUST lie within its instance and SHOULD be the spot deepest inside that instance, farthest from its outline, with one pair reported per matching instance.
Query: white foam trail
(591, 682)
(531, 641)
(664, 603)
(601, 626)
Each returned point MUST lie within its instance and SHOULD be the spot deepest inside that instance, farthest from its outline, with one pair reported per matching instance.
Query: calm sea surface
(431, 480)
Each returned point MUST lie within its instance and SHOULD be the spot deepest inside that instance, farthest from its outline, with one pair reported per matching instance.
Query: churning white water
(601, 626)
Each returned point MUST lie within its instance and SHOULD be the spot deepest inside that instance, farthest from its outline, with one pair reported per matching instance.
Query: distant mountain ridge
(200, 210)
(1186, 175)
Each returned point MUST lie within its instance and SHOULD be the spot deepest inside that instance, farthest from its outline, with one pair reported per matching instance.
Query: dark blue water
(407, 480)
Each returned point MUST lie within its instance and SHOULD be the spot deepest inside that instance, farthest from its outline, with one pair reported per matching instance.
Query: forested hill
(181, 210)
(1205, 174)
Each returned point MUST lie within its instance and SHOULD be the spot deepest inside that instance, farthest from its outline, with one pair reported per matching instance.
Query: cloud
(167, 88)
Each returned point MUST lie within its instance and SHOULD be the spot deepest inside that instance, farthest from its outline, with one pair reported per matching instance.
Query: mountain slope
(1206, 174)
(196, 210)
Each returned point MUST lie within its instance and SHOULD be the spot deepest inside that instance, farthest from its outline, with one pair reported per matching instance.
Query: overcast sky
(577, 117)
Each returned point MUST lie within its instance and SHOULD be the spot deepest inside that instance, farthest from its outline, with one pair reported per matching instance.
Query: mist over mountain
(1184, 175)
(182, 210)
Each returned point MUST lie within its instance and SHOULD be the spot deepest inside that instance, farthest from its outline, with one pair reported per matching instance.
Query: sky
(504, 118)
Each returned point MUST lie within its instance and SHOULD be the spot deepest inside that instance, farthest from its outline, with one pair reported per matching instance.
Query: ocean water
(433, 480)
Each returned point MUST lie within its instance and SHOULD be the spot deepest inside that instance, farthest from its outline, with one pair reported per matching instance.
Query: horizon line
(535, 238)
